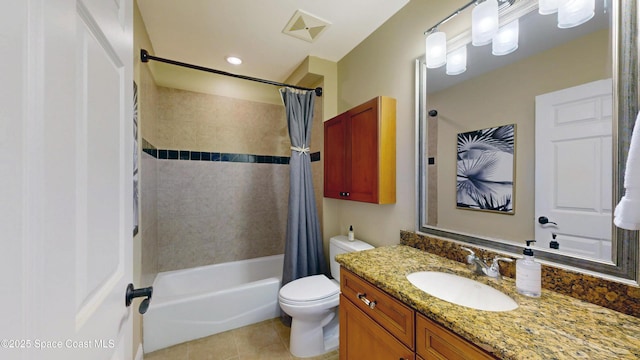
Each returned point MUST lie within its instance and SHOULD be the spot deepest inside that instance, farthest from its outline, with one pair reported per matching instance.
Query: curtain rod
(145, 57)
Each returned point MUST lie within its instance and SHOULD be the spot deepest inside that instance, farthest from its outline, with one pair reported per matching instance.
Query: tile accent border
(167, 154)
(610, 294)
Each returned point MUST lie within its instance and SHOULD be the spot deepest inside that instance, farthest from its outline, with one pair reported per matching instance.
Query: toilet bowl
(312, 302)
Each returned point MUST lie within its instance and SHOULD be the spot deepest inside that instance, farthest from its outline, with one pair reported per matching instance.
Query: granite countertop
(553, 326)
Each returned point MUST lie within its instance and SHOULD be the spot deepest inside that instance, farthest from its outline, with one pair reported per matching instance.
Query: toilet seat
(309, 290)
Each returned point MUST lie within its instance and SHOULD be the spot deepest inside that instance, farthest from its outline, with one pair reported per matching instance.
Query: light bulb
(436, 49)
(457, 61)
(234, 60)
(575, 12)
(484, 22)
(505, 41)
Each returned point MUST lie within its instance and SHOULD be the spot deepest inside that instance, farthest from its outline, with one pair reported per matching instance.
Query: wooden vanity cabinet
(360, 153)
(375, 325)
(363, 338)
(436, 342)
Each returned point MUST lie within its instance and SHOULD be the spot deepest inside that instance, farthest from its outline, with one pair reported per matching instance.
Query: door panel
(364, 154)
(100, 175)
(362, 338)
(74, 99)
(334, 156)
(573, 155)
(104, 139)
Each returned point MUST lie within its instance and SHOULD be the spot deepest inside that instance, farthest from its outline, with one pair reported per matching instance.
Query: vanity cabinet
(435, 342)
(360, 153)
(363, 338)
(375, 325)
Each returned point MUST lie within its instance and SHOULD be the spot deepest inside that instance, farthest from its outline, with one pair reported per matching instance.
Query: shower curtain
(304, 254)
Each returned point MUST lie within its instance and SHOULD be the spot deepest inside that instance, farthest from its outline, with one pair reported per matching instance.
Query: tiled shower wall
(222, 183)
(212, 211)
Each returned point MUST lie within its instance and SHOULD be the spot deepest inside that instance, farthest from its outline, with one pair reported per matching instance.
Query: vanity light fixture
(436, 49)
(234, 60)
(485, 28)
(457, 61)
(505, 41)
(436, 42)
(484, 22)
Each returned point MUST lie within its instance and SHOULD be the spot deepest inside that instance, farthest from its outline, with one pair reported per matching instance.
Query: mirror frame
(625, 264)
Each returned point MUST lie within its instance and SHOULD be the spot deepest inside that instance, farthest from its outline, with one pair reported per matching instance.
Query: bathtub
(193, 303)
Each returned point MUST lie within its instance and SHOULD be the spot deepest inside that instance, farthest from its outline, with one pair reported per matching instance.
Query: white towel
(627, 212)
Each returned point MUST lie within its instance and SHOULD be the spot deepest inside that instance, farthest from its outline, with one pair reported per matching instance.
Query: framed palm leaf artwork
(485, 175)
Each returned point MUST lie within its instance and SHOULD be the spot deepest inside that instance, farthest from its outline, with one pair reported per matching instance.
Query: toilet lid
(309, 288)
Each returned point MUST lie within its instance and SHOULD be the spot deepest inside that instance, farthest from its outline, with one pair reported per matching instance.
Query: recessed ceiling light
(234, 60)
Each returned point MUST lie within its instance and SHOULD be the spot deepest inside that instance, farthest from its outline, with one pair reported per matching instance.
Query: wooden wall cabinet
(375, 325)
(360, 153)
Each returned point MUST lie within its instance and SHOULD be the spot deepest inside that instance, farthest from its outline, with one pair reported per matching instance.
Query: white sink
(462, 291)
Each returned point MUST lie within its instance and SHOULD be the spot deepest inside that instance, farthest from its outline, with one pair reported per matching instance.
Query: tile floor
(267, 340)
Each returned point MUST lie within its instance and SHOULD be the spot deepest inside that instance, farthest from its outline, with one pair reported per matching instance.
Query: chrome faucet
(479, 267)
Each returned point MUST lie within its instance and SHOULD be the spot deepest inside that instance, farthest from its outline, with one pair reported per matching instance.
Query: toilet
(312, 302)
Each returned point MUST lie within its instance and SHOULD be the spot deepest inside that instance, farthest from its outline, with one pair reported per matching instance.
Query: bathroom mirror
(495, 91)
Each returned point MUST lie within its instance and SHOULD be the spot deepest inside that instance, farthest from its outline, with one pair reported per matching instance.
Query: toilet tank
(339, 245)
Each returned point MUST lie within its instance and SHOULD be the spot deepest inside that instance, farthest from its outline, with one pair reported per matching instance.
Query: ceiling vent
(305, 26)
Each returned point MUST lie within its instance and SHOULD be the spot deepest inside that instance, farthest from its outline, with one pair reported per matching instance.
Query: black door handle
(545, 220)
(134, 293)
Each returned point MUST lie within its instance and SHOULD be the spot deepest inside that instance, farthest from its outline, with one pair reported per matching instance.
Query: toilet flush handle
(369, 303)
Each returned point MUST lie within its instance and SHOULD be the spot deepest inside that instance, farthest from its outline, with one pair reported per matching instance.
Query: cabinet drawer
(391, 314)
(435, 342)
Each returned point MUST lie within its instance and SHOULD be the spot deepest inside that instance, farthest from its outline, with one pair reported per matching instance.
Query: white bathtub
(193, 303)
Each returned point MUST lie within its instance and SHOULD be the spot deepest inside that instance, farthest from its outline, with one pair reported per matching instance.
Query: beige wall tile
(213, 212)
(204, 122)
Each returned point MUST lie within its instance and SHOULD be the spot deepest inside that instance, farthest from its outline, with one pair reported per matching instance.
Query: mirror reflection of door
(573, 163)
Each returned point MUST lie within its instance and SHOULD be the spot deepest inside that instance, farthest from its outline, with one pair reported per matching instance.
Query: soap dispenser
(528, 273)
(554, 244)
(351, 237)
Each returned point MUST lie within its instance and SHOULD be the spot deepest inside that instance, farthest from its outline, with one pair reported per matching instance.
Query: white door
(573, 157)
(66, 144)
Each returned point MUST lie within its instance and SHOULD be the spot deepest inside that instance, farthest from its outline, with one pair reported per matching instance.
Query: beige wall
(146, 239)
(148, 100)
(383, 64)
(177, 77)
(501, 97)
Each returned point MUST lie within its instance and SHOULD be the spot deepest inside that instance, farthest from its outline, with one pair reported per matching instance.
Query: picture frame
(485, 174)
